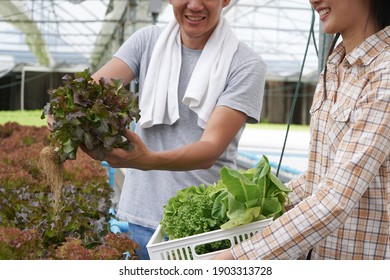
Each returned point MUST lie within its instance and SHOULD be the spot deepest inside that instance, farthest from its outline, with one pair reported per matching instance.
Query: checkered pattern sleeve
(344, 212)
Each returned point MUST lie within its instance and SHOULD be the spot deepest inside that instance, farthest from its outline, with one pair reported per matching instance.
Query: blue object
(118, 226)
(115, 225)
(141, 235)
(256, 157)
(111, 173)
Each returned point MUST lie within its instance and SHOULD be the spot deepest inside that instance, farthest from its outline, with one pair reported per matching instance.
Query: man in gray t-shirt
(171, 155)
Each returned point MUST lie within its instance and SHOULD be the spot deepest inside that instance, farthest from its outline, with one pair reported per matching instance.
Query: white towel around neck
(159, 98)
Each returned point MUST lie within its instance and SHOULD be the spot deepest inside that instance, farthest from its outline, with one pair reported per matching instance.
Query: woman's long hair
(380, 11)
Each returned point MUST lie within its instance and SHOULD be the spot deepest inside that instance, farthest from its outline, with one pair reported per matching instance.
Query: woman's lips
(323, 13)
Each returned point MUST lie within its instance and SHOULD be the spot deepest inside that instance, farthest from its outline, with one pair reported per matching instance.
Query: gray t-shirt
(145, 193)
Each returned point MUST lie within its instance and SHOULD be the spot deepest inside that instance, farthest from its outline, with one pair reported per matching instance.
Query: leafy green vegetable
(91, 114)
(238, 198)
(189, 213)
(252, 195)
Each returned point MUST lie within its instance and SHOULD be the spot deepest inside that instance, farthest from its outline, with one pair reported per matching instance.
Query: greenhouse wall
(35, 89)
(277, 100)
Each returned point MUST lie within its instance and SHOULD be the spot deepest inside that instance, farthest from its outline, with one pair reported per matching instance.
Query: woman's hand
(225, 255)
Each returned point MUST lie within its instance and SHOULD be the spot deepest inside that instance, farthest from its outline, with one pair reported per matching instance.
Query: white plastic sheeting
(49, 32)
(55, 33)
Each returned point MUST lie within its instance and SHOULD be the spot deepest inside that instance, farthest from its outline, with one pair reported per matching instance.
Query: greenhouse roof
(49, 33)
(74, 33)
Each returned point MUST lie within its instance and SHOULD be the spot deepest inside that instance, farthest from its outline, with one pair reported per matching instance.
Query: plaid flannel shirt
(342, 202)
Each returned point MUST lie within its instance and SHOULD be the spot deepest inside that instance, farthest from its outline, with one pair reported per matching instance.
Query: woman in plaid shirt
(341, 204)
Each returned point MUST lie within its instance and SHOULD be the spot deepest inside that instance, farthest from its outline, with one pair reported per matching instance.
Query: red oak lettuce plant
(29, 227)
(89, 113)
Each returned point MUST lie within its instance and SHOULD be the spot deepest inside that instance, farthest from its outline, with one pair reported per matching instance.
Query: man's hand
(97, 154)
(50, 122)
(138, 157)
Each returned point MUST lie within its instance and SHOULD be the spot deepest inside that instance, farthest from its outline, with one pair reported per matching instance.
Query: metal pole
(22, 89)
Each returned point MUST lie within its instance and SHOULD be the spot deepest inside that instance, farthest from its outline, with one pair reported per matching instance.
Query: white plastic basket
(184, 248)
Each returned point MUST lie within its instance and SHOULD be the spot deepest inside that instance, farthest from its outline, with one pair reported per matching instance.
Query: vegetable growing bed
(47, 209)
(200, 221)
(29, 227)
